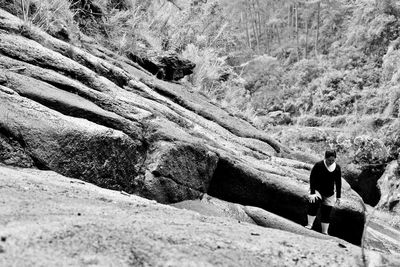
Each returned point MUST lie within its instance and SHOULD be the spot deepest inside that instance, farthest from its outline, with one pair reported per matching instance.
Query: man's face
(330, 160)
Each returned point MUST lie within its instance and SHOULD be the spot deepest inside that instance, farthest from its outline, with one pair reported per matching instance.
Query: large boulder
(72, 146)
(177, 171)
(35, 135)
(168, 67)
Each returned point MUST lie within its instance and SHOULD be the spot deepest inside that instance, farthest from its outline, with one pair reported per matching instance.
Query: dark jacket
(323, 181)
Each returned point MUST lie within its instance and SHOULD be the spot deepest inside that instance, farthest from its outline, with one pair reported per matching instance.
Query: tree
(317, 28)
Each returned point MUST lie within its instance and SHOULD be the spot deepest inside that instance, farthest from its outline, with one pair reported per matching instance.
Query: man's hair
(330, 153)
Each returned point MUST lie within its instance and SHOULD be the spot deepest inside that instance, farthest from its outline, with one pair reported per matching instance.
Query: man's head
(330, 157)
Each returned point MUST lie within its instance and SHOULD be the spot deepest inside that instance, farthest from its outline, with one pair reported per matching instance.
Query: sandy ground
(50, 220)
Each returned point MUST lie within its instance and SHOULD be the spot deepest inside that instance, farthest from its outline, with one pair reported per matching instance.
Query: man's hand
(314, 198)
(338, 201)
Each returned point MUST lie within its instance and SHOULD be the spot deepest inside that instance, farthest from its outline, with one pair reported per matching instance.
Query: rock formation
(117, 127)
(51, 220)
(168, 67)
(87, 113)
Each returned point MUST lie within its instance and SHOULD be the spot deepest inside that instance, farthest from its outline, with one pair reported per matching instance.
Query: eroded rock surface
(73, 223)
(85, 116)
(178, 171)
(211, 206)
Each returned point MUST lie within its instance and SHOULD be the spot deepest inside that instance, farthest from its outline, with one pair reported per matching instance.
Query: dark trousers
(325, 211)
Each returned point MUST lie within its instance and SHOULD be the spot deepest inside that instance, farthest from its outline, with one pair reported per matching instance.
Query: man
(325, 175)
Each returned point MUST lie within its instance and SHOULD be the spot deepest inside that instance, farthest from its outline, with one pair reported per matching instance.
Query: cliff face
(87, 113)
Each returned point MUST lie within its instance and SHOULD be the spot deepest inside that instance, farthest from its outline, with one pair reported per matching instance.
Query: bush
(265, 84)
(262, 73)
(391, 134)
(337, 121)
(309, 121)
(209, 67)
(333, 97)
(122, 30)
(372, 29)
(347, 57)
(370, 151)
(339, 92)
(56, 18)
(305, 71)
(53, 16)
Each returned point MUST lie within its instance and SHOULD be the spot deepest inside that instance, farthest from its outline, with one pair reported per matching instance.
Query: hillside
(92, 94)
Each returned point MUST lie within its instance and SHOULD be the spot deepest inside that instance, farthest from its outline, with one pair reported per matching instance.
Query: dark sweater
(323, 181)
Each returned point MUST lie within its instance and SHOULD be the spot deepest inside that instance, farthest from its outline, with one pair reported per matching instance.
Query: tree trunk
(294, 21)
(297, 31)
(289, 20)
(254, 24)
(256, 37)
(278, 34)
(246, 20)
(317, 30)
(268, 35)
(306, 44)
(259, 18)
(246, 27)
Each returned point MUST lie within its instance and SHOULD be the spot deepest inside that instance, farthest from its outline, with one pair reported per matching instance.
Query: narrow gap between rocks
(366, 184)
(234, 184)
(237, 184)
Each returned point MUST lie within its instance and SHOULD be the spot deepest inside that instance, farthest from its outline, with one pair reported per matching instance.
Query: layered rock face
(86, 113)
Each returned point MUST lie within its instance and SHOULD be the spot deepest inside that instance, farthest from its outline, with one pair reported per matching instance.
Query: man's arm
(338, 182)
(313, 177)
(313, 197)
